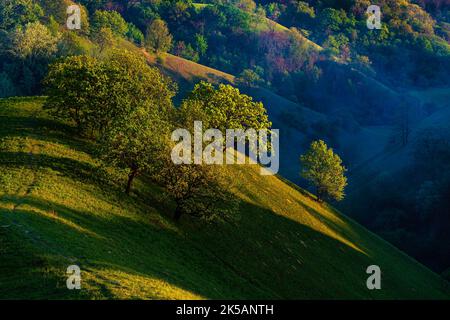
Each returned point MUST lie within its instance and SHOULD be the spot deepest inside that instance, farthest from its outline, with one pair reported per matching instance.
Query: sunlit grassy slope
(180, 68)
(58, 209)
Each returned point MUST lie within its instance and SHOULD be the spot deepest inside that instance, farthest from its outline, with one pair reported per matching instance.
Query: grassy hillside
(185, 70)
(293, 119)
(57, 209)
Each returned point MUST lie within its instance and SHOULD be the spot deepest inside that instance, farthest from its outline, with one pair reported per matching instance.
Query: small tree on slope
(323, 169)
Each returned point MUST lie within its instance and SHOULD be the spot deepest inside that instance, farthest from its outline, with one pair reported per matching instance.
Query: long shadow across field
(46, 130)
(74, 169)
(260, 255)
(213, 262)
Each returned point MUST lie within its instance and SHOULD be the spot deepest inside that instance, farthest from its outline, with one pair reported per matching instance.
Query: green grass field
(59, 207)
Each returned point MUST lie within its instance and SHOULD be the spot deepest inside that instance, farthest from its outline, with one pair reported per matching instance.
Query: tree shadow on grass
(262, 255)
(222, 261)
(291, 260)
(45, 130)
(74, 169)
(27, 273)
(344, 230)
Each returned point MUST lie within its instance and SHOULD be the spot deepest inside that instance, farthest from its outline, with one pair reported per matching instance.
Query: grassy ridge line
(188, 73)
(178, 67)
(285, 245)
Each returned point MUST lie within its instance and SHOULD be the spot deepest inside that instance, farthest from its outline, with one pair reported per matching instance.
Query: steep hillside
(389, 161)
(186, 72)
(57, 208)
(295, 121)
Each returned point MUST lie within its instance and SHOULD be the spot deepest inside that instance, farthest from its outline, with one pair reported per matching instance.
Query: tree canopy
(324, 170)
(15, 13)
(92, 92)
(158, 38)
(225, 108)
(134, 142)
(109, 19)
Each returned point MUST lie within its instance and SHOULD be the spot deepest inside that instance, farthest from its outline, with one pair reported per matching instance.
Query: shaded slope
(298, 123)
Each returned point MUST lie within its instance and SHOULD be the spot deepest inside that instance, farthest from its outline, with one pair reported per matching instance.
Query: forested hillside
(379, 98)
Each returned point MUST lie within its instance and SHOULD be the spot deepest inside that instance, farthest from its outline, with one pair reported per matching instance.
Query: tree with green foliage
(198, 190)
(109, 19)
(105, 39)
(158, 38)
(134, 141)
(304, 10)
(76, 87)
(226, 108)
(139, 85)
(135, 35)
(34, 41)
(324, 170)
(92, 92)
(332, 20)
(30, 48)
(201, 44)
(249, 78)
(15, 13)
(336, 45)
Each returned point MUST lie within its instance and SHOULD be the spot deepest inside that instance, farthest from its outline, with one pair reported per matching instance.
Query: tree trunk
(178, 213)
(131, 177)
(320, 195)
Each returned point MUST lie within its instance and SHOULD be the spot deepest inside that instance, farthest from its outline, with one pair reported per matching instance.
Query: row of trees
(33, 39)
(126, 106)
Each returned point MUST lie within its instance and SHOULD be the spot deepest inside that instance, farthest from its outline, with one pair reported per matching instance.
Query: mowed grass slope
(59, 207)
